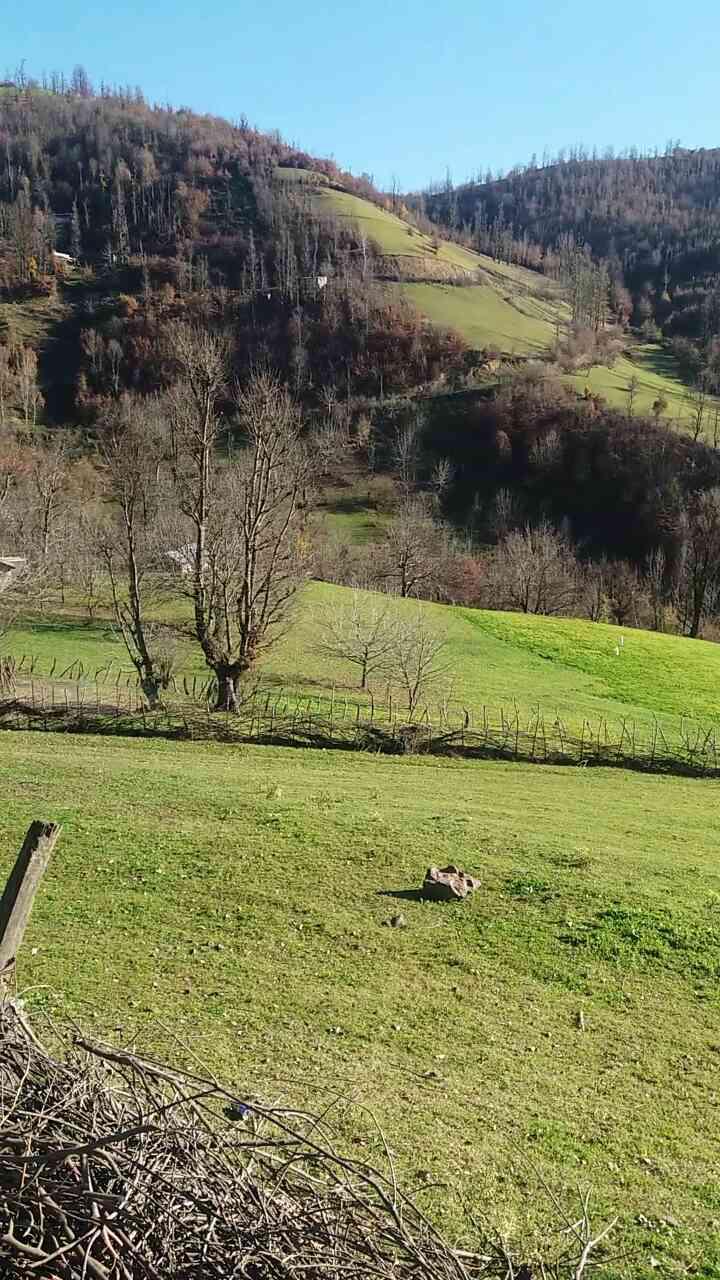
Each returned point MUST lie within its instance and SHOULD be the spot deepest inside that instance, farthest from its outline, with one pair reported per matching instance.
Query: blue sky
(394, 88)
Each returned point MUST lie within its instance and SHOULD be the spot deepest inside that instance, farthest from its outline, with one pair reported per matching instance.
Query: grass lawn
(236, 899)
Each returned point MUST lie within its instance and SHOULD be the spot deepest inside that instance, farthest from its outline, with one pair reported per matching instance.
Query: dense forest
(651, 221)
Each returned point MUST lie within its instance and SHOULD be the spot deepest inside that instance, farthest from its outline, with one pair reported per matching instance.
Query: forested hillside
(163, 213)
(456, 401)
(653, 222)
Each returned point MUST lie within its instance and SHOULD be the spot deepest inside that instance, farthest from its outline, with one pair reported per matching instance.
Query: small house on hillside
(183, 559)
(10, 567)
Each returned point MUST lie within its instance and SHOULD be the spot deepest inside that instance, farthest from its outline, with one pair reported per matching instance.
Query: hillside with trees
(643, 229)
(137, 240)
(134, 215)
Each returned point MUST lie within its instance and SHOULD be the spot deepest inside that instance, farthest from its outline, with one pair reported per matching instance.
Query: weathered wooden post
(19, 895)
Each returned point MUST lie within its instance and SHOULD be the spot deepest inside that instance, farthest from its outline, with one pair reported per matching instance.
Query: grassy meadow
(656, 376)
(229, 907)
(566, 667)
(516, 323)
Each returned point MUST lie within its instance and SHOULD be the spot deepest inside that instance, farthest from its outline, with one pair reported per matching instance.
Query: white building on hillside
(10, 567)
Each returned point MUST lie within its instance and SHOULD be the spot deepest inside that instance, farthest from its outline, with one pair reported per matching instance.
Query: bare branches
(362, 632)
(534, 570)
(417, 653)
(132, 452)
(247, 551)
(121, 1168)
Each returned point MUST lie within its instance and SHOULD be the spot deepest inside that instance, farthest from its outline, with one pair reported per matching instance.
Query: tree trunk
(228, 679)
(151, 691)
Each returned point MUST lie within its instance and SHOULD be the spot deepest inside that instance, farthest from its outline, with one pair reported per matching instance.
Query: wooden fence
(269, 716)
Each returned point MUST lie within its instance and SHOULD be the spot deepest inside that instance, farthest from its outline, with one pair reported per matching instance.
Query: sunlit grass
(236, 900)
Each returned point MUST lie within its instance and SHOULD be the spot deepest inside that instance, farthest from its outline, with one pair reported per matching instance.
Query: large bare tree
(533, 570)
(129, 542)
(245, 510)
(413, 550)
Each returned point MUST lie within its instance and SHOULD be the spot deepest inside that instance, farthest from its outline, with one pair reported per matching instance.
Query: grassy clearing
(656, 374)
(392, 234)
(238, 898)
(484, 317)
(567, 667)
(309, 177)
(31, 322)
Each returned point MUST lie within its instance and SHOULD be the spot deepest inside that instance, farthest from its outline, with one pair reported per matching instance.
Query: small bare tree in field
(417, 659)
(247, 550)
(363, 632)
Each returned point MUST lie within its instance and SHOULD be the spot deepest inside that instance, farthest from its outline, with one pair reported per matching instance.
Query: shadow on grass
(657, 360)
(404, 895)
(349, 506)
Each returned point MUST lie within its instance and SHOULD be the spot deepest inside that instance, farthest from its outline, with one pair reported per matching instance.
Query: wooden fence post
(19, 895)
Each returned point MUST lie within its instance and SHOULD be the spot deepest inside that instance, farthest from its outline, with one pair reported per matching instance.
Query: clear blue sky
(397, 88)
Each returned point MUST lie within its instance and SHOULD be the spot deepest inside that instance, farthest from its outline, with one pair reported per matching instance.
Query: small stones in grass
(397, 921)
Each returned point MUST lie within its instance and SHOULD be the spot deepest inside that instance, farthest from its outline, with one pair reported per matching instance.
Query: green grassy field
(567, 667)
(515, 324)
(654, 370)
(235, 900)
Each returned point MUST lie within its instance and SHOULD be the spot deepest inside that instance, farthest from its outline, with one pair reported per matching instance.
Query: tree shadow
(656, 359)
(349, 506)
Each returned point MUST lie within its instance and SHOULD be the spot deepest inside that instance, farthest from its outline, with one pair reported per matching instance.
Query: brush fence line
(272, 717)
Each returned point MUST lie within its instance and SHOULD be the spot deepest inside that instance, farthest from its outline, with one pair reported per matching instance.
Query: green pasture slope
(515, 310)
(656, 377)
(229, 906)
(566, 667)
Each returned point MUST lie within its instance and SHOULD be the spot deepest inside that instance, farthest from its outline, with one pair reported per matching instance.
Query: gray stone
(448, 884)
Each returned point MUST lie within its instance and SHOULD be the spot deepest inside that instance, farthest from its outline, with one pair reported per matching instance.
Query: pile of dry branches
(113, 1166)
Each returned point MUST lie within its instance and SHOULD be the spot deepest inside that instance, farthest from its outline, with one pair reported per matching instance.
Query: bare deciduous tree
(413, 549)
(417, 659)
(406, 455)
(656, 585)
(49, 470)
(698, 579)
(534, 570)
(363, 632)
(29, 394)
(131, 448)
(246, 553)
